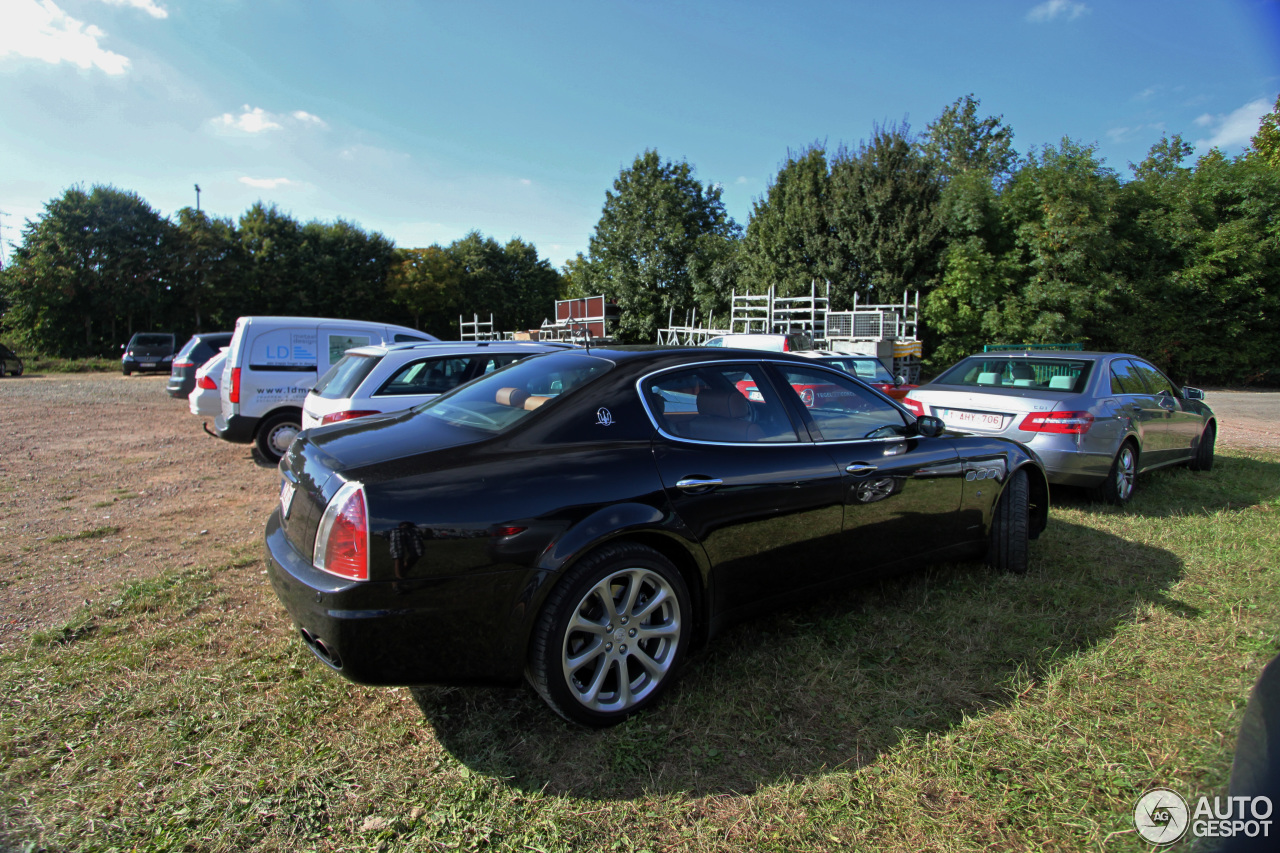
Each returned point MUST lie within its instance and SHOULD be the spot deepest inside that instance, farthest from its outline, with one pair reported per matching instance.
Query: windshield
(1053, 374)
(501, 399)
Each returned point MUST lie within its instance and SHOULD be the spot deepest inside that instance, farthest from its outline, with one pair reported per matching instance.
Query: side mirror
(1189, 393)
(899, 380)
(929, 426)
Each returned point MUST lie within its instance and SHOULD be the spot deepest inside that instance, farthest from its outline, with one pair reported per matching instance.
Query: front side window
(719, 403)
(1156, 381)
(867, 369)
(842, 410)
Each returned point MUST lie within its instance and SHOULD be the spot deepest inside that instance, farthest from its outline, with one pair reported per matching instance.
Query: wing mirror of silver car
(929, 426)
(899, 380)
(1189, 393)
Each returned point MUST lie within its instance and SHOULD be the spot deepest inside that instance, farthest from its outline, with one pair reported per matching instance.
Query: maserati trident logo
(604, 417)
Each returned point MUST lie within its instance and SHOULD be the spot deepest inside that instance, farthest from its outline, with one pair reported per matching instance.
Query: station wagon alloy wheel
(618, 631)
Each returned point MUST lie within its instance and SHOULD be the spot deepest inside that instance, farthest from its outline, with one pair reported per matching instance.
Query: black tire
(1121, 480)
(126, 371)
(1203, 460)
(1008, 545)
(276, 433)
(581, 643)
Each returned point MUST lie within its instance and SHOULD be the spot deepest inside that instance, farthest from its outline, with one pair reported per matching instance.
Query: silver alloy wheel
(621, 641)
(1125, 472)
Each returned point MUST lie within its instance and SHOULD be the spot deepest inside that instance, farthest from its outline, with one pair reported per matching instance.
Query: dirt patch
(106, 479)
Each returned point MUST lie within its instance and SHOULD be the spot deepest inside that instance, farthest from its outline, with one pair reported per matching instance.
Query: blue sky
(425, 120)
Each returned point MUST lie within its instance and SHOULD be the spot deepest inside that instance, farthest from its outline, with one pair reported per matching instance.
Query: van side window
(401, 337)
(338, 344)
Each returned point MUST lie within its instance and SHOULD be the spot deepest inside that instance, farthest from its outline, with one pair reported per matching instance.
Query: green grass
(950, 709)
(95, 533)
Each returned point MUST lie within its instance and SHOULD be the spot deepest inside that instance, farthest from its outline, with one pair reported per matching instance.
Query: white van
(272, 363)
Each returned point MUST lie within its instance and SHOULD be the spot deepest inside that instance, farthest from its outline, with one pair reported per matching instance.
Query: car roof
(457, 347)
(1088, 355)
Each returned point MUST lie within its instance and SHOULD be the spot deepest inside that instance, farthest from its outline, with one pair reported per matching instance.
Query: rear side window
(190, 345)
(719, 403)
(1125, 378)
(341, 380)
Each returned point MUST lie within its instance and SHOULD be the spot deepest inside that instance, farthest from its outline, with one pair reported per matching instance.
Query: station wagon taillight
(342, 540)
(235, 385)
(206, 383)
(1064, 423)
(336, 417)
(182, 362)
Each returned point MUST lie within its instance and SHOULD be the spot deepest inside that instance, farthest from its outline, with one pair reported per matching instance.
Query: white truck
(271, 364)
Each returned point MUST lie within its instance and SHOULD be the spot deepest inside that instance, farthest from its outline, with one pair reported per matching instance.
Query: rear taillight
(335, 417)
(206, 383)
(235, 385)
(1068, 423)
(915, 407)
(182, 362)
(342, 540)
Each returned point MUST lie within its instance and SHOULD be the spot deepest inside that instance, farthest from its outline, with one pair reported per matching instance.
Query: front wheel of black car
(1008, 547)
(611, 635)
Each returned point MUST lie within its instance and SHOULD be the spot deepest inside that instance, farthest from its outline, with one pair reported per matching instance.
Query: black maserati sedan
(583, 518)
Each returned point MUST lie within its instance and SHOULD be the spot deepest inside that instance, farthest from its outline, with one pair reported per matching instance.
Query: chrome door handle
(690, 484)
(860, 468)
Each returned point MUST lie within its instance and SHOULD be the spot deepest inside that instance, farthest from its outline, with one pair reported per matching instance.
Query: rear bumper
(1069, 466)
(448, 630)
(237, 428)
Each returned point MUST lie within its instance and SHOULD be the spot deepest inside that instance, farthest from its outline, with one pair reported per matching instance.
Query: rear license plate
(975, 420)
(287, 492)
(146, 364)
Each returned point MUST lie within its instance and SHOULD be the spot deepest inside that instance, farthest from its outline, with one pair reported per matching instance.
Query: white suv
(372, 380)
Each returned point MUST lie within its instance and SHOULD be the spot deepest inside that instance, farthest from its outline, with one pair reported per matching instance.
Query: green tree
(271, 242)
(883, 214)
(649, 241)
(958, 141)
(1266, 142)
(208, 263)
(89, 273)
(788, 243)
(510, 282)
(427, 284)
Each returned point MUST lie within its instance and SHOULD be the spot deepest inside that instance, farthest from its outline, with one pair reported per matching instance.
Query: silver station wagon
(1095, 419)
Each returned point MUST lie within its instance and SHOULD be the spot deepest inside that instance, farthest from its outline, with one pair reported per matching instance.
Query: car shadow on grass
(831, 685)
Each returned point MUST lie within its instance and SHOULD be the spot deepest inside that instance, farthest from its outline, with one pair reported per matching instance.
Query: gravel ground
(106, 479)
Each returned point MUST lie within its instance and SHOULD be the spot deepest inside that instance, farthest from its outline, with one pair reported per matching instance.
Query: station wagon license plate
(286, 498)
(973, 420)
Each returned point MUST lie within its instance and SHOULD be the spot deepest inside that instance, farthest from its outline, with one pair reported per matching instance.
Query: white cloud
(38, 29)
(1236, 129)
(258, 120)
(742, 179)
(251, 120)
(266, 183)
(525, 182)
(145, 5)
(1051, 10)
(307, 118)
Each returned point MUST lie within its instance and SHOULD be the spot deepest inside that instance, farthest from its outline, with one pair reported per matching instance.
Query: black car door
(765, 504)
(902, 493)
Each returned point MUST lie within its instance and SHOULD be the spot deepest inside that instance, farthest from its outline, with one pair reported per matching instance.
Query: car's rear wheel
(277, 433)
(1203, 460)
(126, 371)
(1118, 487)
(611, 635)
(1007, 547)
